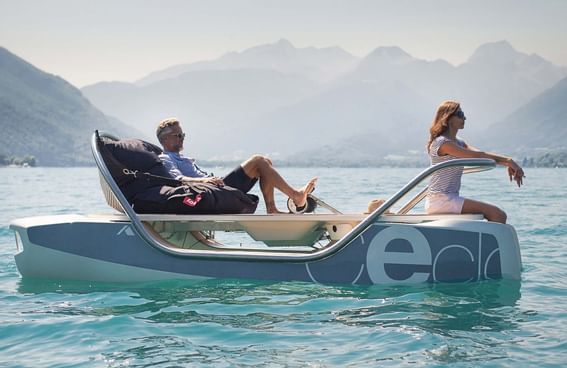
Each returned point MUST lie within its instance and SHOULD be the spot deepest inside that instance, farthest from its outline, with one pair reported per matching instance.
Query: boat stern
(498, 246)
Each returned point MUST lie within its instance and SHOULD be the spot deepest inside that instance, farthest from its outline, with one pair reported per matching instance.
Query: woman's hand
(516, 173)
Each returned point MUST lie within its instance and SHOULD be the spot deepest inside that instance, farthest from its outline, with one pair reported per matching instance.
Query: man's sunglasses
(178, 135)
(460, 114)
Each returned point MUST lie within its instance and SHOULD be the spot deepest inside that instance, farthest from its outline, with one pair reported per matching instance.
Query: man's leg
(261, 167)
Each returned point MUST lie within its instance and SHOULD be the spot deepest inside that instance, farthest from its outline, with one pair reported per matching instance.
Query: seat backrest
(109, 196)
(107, 191)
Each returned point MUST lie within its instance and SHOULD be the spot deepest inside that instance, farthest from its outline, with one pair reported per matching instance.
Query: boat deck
(278, 229)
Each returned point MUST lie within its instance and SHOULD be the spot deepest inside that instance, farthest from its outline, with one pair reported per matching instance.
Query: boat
(383, 247)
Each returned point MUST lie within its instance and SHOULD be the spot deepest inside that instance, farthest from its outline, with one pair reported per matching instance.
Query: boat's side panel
(99, 247)
(383, 253)
(45, 263)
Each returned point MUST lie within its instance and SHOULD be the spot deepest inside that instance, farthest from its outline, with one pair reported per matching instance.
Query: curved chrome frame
(272, 255)
(419, 196)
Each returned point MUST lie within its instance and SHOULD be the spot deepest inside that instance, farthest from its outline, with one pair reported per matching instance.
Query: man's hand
(215, 180)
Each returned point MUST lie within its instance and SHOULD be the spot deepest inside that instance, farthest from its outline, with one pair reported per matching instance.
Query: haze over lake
(314, 83)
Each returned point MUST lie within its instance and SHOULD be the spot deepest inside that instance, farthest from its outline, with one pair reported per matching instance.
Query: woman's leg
(490, 212)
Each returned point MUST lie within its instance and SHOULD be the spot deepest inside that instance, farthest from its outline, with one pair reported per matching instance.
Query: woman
(443, 193)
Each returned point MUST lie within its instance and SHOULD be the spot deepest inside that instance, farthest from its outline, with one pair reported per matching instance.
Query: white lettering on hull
(420, 254)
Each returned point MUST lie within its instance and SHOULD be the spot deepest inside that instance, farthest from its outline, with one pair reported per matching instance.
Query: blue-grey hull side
(383, 253)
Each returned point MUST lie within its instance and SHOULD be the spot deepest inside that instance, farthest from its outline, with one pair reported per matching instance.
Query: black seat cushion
(148, 186)
(135, 154)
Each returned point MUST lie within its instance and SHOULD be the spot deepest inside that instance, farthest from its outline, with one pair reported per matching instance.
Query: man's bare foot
(300, 197)
(272, 209)
(276, 212)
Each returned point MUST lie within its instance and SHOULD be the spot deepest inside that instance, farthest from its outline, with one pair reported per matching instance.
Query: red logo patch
(188, 201)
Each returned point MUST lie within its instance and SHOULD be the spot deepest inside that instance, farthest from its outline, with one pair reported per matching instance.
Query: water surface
(51, 323)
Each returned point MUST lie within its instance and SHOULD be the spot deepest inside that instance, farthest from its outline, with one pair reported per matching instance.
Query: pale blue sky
(87, 41)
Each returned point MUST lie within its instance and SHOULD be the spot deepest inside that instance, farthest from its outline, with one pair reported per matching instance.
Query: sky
(89, 41)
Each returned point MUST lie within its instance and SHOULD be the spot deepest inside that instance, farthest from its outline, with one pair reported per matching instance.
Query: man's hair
(164, 125)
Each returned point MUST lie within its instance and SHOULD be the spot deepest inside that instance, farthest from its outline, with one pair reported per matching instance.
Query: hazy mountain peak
(284, 43)
(496, 52)
(283, 47)
(383, 62)
(535, 59)
(276, 48)
(389, 54)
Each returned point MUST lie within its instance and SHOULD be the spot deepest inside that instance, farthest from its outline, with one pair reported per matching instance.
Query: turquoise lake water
(279, 324)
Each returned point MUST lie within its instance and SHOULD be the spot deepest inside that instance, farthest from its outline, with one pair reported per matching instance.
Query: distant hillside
(209, 103)
(318, 64)
(535, 128)
(354, 122)
(44, 116)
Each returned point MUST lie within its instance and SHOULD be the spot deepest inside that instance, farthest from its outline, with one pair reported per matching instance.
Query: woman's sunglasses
(460, 114)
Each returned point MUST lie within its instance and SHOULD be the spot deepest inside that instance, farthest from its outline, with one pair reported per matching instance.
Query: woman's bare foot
(374, 204)
(300, 197)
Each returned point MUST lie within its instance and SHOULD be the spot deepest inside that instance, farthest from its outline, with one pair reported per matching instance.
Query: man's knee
(256, 166)
(260, 161)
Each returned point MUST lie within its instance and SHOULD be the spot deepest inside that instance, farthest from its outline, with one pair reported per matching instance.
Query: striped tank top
(446, 181)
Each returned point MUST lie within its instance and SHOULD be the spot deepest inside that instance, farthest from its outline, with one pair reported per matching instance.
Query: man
(244, 177)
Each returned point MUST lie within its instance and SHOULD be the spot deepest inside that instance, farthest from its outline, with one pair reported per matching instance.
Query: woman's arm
(515, 172)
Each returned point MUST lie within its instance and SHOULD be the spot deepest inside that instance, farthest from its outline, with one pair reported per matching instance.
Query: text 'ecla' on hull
(382, 247)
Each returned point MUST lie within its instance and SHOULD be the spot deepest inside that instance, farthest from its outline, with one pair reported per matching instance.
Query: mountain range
(309, 104)
(44, 116)
(320, 64)
(304, 106)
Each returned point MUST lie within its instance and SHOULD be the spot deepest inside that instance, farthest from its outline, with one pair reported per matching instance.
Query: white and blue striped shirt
(446, 181)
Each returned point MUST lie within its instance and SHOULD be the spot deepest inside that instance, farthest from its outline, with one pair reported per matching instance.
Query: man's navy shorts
(237, 178)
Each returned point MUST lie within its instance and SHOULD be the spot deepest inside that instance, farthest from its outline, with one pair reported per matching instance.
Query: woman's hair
(440, 123)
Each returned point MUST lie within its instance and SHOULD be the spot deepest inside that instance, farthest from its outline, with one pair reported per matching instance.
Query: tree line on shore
(549, 159)
(28, 160)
